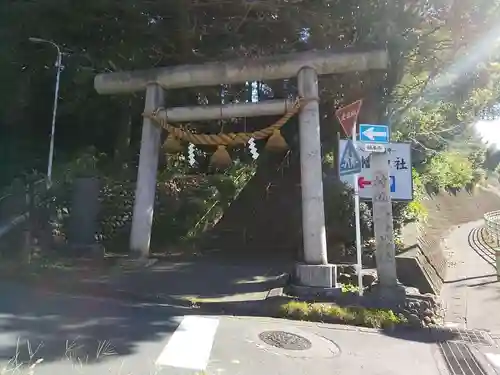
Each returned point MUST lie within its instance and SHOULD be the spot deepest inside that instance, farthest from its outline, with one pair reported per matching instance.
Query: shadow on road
(111, 318)
(204, 278)
(35, 325)
(424, 335)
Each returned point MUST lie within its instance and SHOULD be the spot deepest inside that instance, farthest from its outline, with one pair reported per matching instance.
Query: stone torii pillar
(142, 218)
(306, 66)
(313, 213)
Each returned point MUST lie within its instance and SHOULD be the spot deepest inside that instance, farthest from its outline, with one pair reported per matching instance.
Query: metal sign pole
(347, 117)
(359, 259)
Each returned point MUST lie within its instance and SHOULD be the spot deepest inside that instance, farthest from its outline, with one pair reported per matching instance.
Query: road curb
(266, 308)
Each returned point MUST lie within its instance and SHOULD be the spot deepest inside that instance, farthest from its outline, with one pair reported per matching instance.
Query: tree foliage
(439, 78)
(443, 74)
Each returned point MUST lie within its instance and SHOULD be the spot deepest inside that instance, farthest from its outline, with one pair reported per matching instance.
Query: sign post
(357, 214)
(348, 117)
(382, 185)
(382, 223)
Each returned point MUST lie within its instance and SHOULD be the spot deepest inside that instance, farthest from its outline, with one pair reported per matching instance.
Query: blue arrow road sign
(374, 133)
(350, 162)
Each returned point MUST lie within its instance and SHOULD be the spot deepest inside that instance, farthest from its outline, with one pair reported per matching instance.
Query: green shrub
(340, 219)
(185, 205)
(448, 170)
(295, 310)
(478, 175)
(477, 158)
(330, 313)
(350, 288)
(414, 210)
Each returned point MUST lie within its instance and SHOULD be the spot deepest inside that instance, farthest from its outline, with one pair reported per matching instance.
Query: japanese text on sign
(399, 161)
(348, 115)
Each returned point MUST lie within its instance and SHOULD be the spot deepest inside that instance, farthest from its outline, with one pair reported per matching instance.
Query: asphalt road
(84, 335)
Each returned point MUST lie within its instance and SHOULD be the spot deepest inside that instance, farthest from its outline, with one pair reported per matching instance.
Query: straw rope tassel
(221, 158)
(172, 145)
(276, 142)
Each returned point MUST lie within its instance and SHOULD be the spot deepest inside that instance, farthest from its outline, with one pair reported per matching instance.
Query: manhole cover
(285, 340)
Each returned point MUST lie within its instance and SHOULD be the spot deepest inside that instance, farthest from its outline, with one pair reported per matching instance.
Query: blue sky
(489, 131)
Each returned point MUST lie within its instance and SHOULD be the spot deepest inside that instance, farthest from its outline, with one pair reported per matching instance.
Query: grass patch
(329, 313)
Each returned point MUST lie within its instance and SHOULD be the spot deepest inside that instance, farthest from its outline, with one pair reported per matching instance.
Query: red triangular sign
(348, 116)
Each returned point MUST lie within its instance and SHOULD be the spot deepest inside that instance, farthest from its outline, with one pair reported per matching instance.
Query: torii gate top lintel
(236, 71)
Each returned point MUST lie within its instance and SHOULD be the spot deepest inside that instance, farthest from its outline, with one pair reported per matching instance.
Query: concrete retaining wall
(423, 265)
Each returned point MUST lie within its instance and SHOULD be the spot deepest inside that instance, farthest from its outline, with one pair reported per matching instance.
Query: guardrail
(492, 229)
(16, 207)
(13, 206)
(492, 226)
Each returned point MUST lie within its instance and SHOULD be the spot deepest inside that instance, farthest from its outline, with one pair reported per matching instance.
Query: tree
(423, 38)
(441, 77)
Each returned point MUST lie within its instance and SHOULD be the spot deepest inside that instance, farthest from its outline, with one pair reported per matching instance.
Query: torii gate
(306, 66)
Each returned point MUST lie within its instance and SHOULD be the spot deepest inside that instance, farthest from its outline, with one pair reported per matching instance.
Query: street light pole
(58, 65)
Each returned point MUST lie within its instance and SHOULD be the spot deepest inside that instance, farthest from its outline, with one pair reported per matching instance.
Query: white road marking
(493, 359)
(191, 344)
(453, 325)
